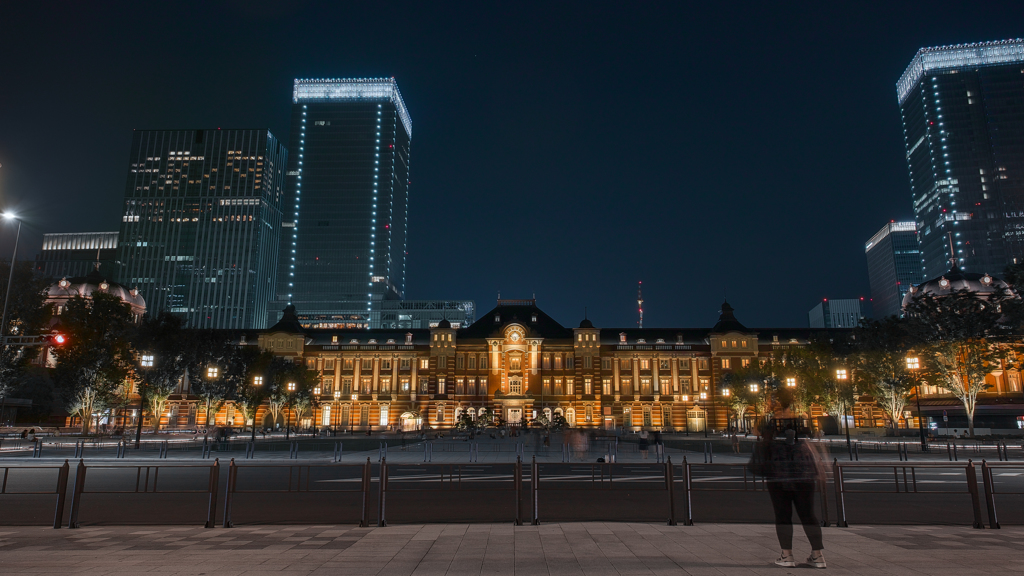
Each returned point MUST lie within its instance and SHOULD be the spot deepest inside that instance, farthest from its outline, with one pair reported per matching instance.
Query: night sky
(567, 151)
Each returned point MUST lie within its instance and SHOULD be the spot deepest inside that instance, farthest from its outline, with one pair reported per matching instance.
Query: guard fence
(381, 493)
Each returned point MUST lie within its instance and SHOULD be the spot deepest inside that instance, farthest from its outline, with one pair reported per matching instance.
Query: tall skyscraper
(344, 243)
(838, 313)
(963, 127)
(894, 264)
(201, 226)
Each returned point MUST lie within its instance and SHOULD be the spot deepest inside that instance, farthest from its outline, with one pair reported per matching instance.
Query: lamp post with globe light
(914, 364)
(841, 378)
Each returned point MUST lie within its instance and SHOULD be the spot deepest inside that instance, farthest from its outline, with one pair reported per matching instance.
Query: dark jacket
(787, 464)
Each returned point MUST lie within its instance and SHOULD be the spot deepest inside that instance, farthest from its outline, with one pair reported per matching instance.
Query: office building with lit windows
(77, 254)
(963, 127)
(894, 265)
(201, 223)
(343, 246)
(839, 313)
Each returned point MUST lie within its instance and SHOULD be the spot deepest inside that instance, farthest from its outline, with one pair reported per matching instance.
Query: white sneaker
(786, 561)
(818, 562)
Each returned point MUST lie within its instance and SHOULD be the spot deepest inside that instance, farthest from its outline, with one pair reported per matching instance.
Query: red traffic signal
(56, 338)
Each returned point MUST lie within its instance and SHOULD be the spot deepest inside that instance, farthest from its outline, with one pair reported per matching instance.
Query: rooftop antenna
(952, 254)
(584, 312)
(640, 302)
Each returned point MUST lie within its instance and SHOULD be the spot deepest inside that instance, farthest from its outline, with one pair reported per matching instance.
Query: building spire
(640, 302)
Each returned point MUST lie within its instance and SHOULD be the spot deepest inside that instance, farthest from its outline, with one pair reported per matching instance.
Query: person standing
(643, 443)
(735, 442)
(792, 472)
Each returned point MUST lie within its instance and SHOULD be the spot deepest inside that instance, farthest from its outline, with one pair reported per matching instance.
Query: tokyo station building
(516, 364)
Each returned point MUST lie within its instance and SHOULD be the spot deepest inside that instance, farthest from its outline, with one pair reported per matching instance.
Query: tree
(816, 368)
(97, 357)
(881, 364)
(162, 352)
(209, 349)
(299, 387)
(248, 369)
(960, 335)
(27, 313)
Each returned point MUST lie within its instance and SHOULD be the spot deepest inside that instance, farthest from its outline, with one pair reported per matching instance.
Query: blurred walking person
(792, 471)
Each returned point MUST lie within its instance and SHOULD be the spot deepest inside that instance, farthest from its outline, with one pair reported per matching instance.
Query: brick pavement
(499, 549)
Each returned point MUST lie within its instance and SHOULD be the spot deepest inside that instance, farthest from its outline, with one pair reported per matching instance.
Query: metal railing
(143, 486)
(464, 478)
(299, 476)
(910, 484)
(608, 480)
(60, 489)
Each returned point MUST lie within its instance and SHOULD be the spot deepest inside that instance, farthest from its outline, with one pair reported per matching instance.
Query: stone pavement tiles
(596, 548)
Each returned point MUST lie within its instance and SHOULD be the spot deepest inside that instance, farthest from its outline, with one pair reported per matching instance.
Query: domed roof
(586, 323)
(444, 323)
(85, 286)
(983, 285)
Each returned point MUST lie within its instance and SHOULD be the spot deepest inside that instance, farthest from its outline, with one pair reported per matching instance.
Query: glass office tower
(344, 242)
(963, 126)
(201, 226)
(894, 265)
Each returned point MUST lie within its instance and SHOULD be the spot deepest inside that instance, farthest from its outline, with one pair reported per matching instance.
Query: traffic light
(56, 339)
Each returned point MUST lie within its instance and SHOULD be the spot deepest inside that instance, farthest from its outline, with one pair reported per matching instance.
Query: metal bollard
(382, 490)
(517, 481)
(62, 494)
(955, 458)
(990, 498)
(837, 480)
(972, 487)
(211, 508)
(76, 494)
(228, 490)
(670, 485)
(37, 450)
(364, 519)
(535, 490)
(163, 449)
(687, 493)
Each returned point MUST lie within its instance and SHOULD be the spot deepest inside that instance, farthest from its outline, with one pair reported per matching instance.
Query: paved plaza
(499, 549)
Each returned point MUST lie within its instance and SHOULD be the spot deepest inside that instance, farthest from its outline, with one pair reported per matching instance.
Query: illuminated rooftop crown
(359, 89)
(958, 56)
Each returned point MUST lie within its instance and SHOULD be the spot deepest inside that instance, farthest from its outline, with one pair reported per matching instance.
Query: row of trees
(107, 359)
(952, 342)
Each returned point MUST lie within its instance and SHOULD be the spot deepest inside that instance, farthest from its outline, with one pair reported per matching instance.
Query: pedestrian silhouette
(792, 471)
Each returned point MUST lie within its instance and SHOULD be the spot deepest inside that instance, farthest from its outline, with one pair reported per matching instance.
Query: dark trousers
(785, 496)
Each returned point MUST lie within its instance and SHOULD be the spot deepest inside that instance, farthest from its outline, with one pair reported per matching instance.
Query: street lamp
(704, 398)
(10, 277)
(914, 364)
(256, 381)
(145, 362)
(334, 417)
(841, 376)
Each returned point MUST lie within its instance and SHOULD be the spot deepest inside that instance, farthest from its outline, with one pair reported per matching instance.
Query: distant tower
(640, 302)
